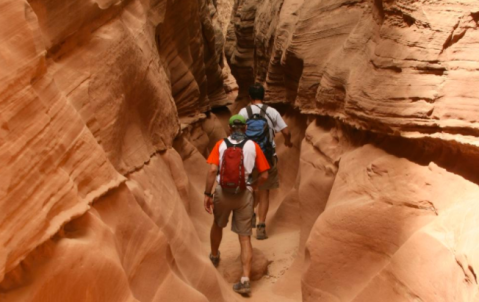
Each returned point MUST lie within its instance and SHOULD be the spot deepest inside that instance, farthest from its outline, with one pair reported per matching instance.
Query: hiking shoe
(261, 232)
(242, 288)
(215, 259)
(253, 221)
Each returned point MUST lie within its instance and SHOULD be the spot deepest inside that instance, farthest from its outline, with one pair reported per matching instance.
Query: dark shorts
(240, 204)
(273, 180)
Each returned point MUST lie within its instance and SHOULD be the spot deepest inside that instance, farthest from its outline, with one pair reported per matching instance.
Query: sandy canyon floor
(283, 280)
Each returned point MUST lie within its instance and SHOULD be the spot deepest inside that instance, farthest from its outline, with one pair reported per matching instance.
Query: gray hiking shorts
(240, 204)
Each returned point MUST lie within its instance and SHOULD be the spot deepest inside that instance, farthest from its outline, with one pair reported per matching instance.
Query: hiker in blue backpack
(263, 122)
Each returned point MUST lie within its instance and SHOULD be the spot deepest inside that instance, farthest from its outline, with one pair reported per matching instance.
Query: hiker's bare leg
(263, 204)
(255, 199)
(216, 235)
(246, 254)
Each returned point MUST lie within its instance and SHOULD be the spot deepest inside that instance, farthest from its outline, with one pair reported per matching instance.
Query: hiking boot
(253, 221)
(242, 288)
(215, 259)
(261, 232)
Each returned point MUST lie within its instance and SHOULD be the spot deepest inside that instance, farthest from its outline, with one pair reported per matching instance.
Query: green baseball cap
(237, 120)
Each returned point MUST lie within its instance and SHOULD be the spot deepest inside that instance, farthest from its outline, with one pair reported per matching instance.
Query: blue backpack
(258, 131)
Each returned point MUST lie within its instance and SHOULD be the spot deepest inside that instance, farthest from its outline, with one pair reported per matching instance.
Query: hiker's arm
(211, 177)
(210, 181)
(262, 167)
(287, 137)
(262, 178)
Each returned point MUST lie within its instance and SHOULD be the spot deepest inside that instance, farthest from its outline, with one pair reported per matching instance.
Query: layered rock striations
(224, 10)
(397, 67)
(192, 54)
(386, 185)
(94, 199)
(392, 227)
(239, 48)
(105, 123)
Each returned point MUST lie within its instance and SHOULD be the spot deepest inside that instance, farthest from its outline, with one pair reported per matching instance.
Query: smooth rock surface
(383, 216)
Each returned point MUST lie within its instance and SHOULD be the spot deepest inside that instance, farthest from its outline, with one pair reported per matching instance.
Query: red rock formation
(395, 67)
(388, 221)
(94, 200)
(240, 44)
(378, 227)
(224, 8)
(196, 83)
(105, 122)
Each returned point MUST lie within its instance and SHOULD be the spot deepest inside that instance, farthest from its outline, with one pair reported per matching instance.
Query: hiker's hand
(288, 143)
(209, 204)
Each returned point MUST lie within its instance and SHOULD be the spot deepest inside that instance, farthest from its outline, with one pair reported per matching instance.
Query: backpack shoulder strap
(265, 114)
(262, 110)
(241, 145)
(249, 110)
(228, 143)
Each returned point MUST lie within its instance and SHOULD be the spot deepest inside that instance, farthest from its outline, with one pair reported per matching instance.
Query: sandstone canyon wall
(387, 183)
(105, 111)
(94, 199)
(398, 67)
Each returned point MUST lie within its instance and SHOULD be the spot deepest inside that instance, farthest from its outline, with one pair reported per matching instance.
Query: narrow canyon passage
(108, 109)
(281, 252)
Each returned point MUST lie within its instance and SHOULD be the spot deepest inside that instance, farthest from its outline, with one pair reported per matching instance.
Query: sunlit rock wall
(93, 199)
(398, 67)
(383, 220)
(387, 183)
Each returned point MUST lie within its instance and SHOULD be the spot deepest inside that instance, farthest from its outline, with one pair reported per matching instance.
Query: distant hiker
(263, 122)
(231, 162)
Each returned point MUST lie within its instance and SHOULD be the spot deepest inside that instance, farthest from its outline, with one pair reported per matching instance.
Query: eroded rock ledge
(375, 223)
(398, 67)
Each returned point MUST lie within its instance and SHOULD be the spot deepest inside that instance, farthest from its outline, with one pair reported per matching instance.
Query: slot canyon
(109, 108)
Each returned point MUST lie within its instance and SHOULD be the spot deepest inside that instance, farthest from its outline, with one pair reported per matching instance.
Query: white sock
(244, 279)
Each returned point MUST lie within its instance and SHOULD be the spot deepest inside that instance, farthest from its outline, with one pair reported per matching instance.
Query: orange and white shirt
(253, 157)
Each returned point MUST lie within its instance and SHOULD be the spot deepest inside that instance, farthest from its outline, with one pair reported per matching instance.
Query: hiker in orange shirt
(231, 162)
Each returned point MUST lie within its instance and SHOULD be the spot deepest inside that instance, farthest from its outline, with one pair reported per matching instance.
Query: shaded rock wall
(192, 52)
(225, 8)
(94, 199)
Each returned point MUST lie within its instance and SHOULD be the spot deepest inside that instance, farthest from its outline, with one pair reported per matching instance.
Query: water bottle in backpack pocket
(232, 172)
